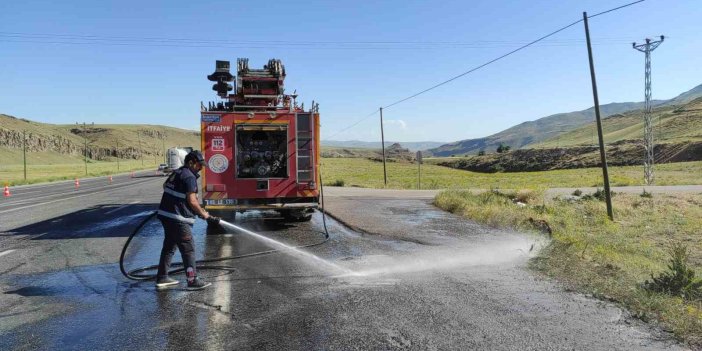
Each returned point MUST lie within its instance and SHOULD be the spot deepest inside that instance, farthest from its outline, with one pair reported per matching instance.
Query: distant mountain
(412, 146)
(678, 138)
(534, 132)
(672, 124)
(686, 97)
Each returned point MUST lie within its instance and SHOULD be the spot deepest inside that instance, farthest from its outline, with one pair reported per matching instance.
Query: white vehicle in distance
(164, 169)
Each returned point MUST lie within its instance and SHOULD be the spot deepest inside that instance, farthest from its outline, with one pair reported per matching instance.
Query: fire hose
(138, 273)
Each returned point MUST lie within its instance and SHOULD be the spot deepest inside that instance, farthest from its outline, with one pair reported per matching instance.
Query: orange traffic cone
(110, 178)
(6, 193)
(77, 183)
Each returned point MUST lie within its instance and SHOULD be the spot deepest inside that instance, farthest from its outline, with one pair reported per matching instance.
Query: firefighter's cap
(196, 156)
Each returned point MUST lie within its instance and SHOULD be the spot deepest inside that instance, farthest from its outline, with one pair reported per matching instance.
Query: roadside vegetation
(649, 259)
(360, 172)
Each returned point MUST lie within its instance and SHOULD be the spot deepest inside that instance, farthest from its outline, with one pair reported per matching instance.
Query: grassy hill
(672, 124)
(56, 152)
(533, 131)
(55, 144)
(528, 134)
(678, 138)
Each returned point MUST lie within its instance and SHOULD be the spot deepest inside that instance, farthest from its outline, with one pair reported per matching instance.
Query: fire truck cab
(262, 148)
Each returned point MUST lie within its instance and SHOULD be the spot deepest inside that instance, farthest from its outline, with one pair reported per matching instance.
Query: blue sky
(118, 62)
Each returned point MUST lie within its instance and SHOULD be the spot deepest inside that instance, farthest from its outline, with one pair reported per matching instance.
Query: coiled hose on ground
(138, 274)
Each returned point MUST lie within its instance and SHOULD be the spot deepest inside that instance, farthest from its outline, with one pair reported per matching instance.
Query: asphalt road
(407, 276)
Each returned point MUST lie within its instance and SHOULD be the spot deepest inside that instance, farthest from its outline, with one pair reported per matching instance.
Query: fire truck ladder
(305, 150)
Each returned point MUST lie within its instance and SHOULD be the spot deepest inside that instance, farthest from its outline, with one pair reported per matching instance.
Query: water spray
(293, 250)
(138, 274)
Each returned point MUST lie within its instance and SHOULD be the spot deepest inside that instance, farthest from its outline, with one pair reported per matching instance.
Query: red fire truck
(261, 147)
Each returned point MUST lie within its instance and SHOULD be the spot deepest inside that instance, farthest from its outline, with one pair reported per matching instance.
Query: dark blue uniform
(177, 219)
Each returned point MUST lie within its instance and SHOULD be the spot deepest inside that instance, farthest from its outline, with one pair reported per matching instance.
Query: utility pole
(419, 170)
(117, 153)
(648, 123)
(382, 143)
(603, 156)
(141, 155)
(85, 142)
(163, 146)
(24, 152)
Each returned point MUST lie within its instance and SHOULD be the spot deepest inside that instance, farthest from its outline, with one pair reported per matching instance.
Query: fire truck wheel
(297, 216)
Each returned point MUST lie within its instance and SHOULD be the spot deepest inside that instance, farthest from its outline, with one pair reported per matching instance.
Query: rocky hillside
(677, 134)
(356, 144)
(622, 153)
(393, 153)
(104, 141)
(527, 134)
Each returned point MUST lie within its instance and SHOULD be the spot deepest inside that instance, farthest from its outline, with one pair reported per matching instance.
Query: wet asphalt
(409, 277)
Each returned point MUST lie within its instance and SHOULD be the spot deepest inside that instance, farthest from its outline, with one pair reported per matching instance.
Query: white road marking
(6, 252)
(65, 191)
(85, 184)
(223, 289)
(121, 207)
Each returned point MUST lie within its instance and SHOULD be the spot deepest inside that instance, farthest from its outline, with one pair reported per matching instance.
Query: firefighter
(177, 211)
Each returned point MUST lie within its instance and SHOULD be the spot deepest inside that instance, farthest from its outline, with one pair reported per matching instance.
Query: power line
(507, 54)
(97, 40)
(615, 9)
(483, 65)
(353, 125)
(40, 37)
(68, 41)
(490, 62)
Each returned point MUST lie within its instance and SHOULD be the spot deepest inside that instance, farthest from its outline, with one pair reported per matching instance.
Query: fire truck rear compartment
(261, 152)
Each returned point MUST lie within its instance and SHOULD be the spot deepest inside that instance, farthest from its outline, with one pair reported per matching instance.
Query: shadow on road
(116, 220)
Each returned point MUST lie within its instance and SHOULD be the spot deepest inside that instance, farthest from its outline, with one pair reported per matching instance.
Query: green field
(360, 172)
(369, 174)
(37, 173)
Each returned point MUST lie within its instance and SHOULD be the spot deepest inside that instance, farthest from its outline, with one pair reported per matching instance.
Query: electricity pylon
(646, 48)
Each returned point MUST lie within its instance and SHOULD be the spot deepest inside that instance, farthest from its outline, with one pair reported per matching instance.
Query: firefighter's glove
(212, 220)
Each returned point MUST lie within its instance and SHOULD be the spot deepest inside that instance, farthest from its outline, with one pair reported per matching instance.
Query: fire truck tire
(297, 216)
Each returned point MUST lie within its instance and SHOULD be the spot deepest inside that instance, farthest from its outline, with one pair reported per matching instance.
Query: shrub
(481, 152)
(503, 148)
(526, 196)
(577, 192)
(599, 194)
(338, 182)
(646, 194)
(679, 279)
